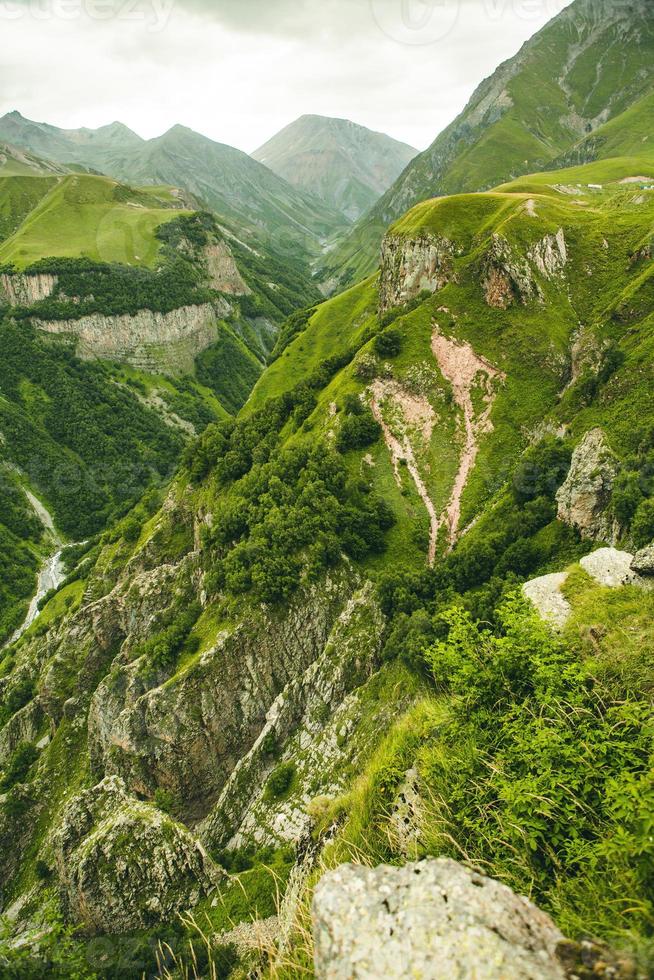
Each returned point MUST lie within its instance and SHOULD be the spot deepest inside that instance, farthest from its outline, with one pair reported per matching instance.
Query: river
(52, 572)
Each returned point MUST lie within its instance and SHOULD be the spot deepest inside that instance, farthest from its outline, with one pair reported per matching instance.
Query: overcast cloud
(240, 70)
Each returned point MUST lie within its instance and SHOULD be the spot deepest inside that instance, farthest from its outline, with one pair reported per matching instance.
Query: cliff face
(412, 266)
(223, 272)
(271, 685)
(23, 290)
(149, 341)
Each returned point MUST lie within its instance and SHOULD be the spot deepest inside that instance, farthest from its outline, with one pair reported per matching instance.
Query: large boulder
(124, 865)
(431, 919)
(584, 500)
(612, 569)
(643, 562)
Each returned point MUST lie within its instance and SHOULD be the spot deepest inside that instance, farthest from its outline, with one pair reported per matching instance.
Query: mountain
(15, 162)
(226, 180)
(321, 635)
(587, 66)
(347, 166)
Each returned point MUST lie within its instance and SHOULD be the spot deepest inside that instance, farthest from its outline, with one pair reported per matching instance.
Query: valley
(349, 671)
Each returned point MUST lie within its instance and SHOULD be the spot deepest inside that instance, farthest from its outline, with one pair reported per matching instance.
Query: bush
(642, 528)
(280, 780)
(388, 343)
(560, 765)
(19, 766)
(132, 528)
(358, 431)
(541, 471)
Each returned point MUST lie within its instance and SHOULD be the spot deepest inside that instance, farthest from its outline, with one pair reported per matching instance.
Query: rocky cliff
(412, 266)
(20, 289)
(148, 340)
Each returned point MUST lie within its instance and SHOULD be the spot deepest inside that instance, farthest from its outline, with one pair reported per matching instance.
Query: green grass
(90, 217)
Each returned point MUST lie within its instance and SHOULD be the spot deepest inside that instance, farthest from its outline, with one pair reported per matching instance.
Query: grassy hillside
(343, 466)
(90, 217)
(528, 342)
(589, 65)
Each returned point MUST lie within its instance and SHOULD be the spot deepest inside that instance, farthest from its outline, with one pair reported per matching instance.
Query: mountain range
(327, 623)
(589, 65)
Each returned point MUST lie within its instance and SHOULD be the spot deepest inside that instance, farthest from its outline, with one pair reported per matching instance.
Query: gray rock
(411, 266)
(643, 562)
(612, 569)
(124, 865)
(584, 500)
(545, 594)
(429, 920)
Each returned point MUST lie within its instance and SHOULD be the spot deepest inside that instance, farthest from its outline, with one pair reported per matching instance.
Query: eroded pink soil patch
(463, 369)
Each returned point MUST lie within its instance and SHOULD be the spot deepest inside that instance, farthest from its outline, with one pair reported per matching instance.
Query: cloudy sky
(240, 70)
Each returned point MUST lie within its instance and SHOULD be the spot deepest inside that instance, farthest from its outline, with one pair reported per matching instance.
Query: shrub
(358, 432)
(642, 528)
(388, 343)
(132, 529)
(280, 780)
(19, 766)
(541, 471)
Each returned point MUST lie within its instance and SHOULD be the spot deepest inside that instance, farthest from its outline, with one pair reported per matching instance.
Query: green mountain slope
(589, 65)
(224, 179)
(93, 217)
(346, 165)
(628, 135)
(324, 619)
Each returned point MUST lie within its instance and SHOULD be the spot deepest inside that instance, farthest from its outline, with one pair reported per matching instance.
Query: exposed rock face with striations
(124, 865)
(412, 266)
(23, 290)
(223, 272)
(507, 277)
(297, 721)
(186, 734)
(550, 255)
(150, 341)
(432, 919)
(584, 499)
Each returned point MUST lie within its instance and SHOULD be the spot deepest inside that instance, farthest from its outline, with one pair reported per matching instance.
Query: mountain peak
(342, 162)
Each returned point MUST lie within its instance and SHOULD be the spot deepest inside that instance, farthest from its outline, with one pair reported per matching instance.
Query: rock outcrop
(643, 561)
(311, 718)
(584, 500)
(410, 266)
(545, 595)
(507, 277)
(431, 919)
(222, 271)
(124, 865)
(148, 340)
(23, 290)
(550, 255)
(612, 569)
(187, 735)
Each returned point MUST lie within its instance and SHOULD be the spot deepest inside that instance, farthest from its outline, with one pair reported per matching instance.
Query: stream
(52, 571)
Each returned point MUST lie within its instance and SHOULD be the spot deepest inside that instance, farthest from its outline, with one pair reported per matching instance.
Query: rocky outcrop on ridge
(148, 340)
(507, 277)
(410, 266)
(430, 919)
(584, 500)
(123, 864)
(20, 289)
